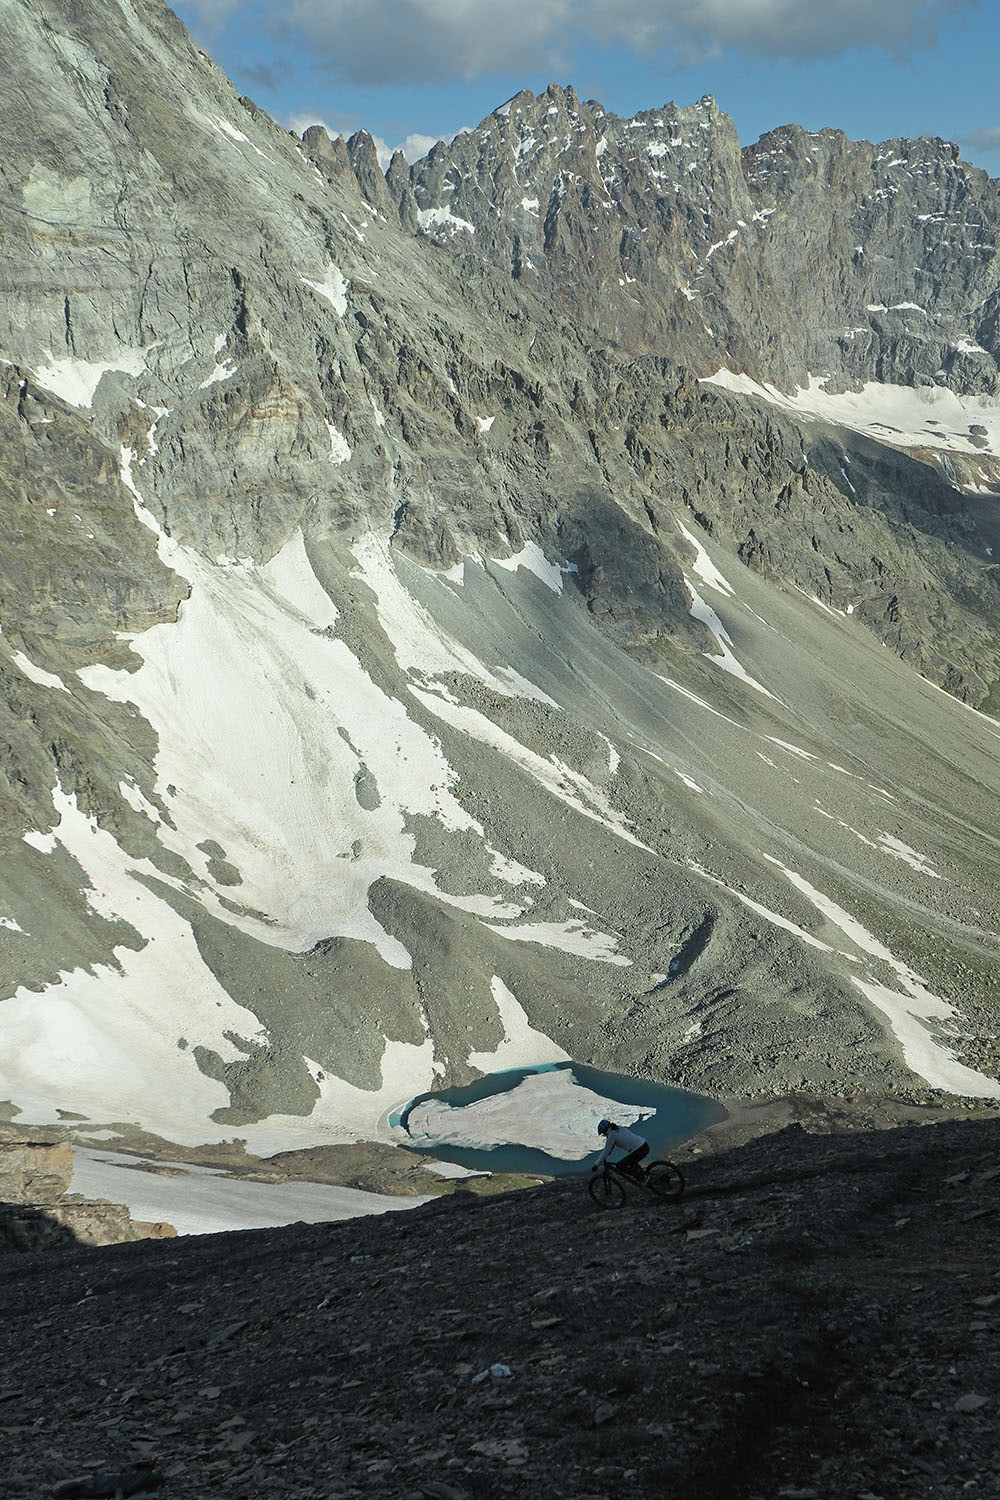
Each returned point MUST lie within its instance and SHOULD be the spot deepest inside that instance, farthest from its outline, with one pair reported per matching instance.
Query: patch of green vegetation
(496, 1182)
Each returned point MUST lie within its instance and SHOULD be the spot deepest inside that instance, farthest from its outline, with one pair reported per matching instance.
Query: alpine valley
(534, 604)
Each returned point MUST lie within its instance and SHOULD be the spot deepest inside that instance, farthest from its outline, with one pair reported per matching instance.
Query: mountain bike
(661, 1180)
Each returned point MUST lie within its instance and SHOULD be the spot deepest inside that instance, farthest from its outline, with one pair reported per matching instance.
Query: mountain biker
(619, 1137)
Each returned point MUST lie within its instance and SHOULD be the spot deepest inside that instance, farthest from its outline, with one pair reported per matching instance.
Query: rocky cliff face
(410, 665)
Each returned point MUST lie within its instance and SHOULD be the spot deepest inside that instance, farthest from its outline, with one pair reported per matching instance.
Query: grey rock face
(888, 255)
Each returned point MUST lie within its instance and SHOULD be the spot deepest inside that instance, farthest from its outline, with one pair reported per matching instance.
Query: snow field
(923, 417)
(201, 1200)
(264, 726)
(116, 1042)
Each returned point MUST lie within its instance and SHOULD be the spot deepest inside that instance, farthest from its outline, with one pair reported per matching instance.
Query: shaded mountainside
(410, 666)
(817, 1317)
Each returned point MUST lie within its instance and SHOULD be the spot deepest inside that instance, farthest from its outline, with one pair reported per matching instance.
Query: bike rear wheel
(665, 1180)
(606, 1190)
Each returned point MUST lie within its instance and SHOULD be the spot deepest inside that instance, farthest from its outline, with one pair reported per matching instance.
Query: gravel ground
(816, 1319)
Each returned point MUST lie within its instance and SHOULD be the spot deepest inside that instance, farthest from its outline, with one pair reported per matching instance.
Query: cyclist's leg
(630, 1164)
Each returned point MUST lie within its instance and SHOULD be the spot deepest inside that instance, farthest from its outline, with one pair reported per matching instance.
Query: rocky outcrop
(37, 1210)
(34, 1171)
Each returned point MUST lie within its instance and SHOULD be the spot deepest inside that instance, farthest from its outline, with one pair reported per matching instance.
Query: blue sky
(405, 69)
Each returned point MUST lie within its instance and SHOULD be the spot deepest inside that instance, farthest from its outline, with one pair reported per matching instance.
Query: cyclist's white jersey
(621, 1138)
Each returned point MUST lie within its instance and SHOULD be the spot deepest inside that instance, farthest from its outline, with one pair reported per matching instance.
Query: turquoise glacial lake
(544, 1119)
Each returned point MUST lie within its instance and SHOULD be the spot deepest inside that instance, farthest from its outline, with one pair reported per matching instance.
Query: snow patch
(726, 659)
(908, 1009)
(569, 937)
(75, 381)
(230, 130)
(419, 643)
(522, 1046)
(909, 856)
(340, 449)
(138, 801)
(931, 417)
(333, 288)
(703, 567)
(38, 674)
(691, 785)
(265, 722)
(569, 786)
(534, 560)
(775, 918)
(221, 371)
(203, 1200)
(443, 221)
(344, 1112)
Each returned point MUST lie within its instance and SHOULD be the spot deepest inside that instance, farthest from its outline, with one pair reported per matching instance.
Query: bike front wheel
(665, 1181)
(606, 1190)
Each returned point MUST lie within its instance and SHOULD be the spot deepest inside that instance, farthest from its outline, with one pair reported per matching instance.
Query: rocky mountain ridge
(804, 253)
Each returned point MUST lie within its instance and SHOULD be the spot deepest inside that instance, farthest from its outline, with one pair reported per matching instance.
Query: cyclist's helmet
(604, 1127)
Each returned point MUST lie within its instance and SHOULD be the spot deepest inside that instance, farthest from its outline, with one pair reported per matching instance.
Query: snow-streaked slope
(308, 732)
(249, 666)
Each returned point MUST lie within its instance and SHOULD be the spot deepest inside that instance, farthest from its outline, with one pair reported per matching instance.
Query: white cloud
(304, 119)
(413, 147)
(984, 140)
(773, 28)
(426, 41)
